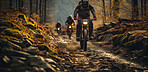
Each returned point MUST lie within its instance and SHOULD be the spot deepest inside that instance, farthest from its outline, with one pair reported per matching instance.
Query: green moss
(14, 33)
(17, 27)
(43, 47)
(31, 26)
(41, 28)
(31, 20)
(39, 36)
(124, 39)
(24, 17)
(31, 40)
(116, 39)
(10, 38)
(131, 37)
(134, 44)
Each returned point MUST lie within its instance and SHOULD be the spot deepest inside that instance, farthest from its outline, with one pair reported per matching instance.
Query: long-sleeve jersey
(69, 21)
(83, 12)
(58, 25)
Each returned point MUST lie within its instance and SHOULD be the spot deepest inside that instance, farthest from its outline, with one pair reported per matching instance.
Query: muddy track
(96, 59)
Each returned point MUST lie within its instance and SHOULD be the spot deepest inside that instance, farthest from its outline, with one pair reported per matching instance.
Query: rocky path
(94, 60)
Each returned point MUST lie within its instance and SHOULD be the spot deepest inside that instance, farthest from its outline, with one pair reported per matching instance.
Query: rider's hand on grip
(75, 18)
(95, 18)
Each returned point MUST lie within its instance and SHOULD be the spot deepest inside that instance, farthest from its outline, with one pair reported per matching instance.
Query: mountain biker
(83, 10)
(58, 24)
(69, 21)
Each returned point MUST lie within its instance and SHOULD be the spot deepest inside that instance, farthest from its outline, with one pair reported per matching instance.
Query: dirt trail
(95, 59)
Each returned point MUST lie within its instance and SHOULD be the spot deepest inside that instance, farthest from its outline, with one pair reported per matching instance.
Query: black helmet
(84, 1)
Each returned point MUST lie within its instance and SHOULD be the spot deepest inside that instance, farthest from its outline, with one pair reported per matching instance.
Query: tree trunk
(135, 12)
(36, 6)
(16, 4)
(142, 9)
(110, 6)
(19, 5)
(45, 12)
(145, 11)
(10, 4)
(43, 7)
(40, 11)
(104, 18)
(116, 9)
(30, 8)
(22, 4)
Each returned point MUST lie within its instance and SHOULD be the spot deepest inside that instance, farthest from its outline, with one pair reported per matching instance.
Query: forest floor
(96, 59)
(28, 46)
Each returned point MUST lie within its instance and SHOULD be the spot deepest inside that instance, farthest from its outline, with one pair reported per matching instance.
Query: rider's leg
(79, 28)
(90, 29)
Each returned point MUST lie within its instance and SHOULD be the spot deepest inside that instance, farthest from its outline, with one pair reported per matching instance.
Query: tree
(135, 12)
(30, 8)
(45, 12)
(104, 18)
(16, 4)
(145, 11)
(142, 9)
(110, 7)
(36, 6)
(116, 9)
(10, 4)
(40, 10)
(21, 3)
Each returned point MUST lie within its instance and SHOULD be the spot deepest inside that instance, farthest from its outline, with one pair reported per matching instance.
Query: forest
(106, 10)
(31, 42)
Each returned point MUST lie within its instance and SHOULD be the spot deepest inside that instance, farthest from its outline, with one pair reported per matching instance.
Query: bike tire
(85, 40)
(70, 33)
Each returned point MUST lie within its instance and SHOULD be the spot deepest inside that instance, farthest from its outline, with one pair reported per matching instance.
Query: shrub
(43, 47)
(14, 33)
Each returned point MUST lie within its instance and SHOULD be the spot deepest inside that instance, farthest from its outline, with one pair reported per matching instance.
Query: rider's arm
(73, 21)
(93, 11)
(75, 12)
(66, 22)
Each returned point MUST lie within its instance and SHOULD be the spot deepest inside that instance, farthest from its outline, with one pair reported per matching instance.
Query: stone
(15, 46)
(32, 50)
(9, 45)
(6, 59)
(136, 31)
(24, 17)
(16, 42)
(16, 53)
(16, 63)
(42, 70)
(39, 62)
(50, 61)
(26, 43)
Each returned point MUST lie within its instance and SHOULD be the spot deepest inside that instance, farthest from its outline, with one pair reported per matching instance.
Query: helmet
(70, 16)
(58, 21)
(84, 1)
(80, 2)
